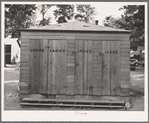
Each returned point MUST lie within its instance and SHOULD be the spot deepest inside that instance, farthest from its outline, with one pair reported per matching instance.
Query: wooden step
(71, 105)
(73, 101)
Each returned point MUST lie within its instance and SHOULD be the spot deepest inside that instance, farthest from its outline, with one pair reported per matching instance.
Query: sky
(103, 9)
(107, 9)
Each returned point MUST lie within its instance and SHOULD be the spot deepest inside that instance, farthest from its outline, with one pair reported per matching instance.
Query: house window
(7, 54)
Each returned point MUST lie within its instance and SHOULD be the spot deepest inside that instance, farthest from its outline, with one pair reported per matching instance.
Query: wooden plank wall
(70, 64)
(106, 69)
(81, 73)
(43, 65)
(115, 68)
(34, 67)
(125, 64)
(97, 67)
(24, 65)
(88, 67)
(80, 65)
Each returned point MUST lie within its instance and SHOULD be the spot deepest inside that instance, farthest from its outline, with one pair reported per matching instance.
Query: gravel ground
(12, 100)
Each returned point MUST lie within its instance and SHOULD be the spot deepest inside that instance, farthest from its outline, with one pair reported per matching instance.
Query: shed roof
(75, 26)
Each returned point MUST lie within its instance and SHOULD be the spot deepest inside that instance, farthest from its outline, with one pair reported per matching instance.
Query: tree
(85, 13)
(43, 10)
(110, 21)
(132, 19)
(17, 16)
(115, 22)
(64, 13)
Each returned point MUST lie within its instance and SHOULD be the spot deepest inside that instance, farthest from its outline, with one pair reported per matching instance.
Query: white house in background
(11, 50)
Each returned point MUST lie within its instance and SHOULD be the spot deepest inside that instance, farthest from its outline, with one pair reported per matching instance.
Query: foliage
(24, 15)
(43, 10)
(64, 13)
(85, 13)
(17, 16)
(133, 19)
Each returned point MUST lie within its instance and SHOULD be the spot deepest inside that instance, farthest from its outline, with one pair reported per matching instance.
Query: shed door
(84, 71)
(79, 67)
(47, 66)
(38, 66)
(111, 67)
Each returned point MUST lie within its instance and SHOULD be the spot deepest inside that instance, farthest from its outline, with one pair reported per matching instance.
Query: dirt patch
(137, 103)
(11, 96)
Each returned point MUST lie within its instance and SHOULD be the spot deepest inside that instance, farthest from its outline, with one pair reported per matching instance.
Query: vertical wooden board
(76, 65)
(31, 66)
(63, 66)
(34, 68)
(106, 69)
(97, 87)
(50, 66)
(97, 67)
(97, 84)
(79, 70)
(113, 63)
(115, 67)
(70, 49)
(85, 82)
(125, 59)
(70, 63)
(70, 59)
(43, 66)
(58, 68)
(70, 88)
(69, 53)
(89, 69)
(53, 67)
(70, 72)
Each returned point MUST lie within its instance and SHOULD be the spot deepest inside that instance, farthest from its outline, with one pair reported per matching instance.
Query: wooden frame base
(76, 97)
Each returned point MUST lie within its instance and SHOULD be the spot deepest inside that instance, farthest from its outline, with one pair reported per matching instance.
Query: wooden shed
(75, 61)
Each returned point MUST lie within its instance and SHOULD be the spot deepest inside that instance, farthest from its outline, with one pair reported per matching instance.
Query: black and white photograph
(74, 58)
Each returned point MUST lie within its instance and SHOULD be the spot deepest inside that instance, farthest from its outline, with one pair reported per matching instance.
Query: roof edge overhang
(74, 31)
